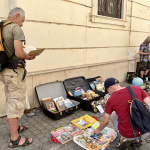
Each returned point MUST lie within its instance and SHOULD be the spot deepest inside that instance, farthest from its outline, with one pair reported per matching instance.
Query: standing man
(117, 108)
(144, 58)
(14, 75)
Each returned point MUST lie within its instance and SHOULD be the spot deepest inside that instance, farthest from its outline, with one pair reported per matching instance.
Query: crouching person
(117, 109)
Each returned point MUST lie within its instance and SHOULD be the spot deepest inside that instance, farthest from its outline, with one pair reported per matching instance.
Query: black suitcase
(102, 94)
(72, 83)
(54, 90)
(131, 76)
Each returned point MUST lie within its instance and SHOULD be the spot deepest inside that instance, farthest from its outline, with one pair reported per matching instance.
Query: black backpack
(139, 115)
(3, 57)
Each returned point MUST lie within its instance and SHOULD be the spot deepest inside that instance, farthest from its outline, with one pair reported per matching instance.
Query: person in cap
(117, 109)
(144, 58)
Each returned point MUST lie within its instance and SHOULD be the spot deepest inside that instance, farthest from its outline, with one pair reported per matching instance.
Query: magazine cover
(50, 106)
(106, 131)
(68, 103)
(100, 80)
(64, 138)
(72, 130)
(93, 146)
(92, 85)
(84, 140)
(61, 135)
(46, 104)
(59, 101)
(84, 122)
(103, 139)
(100, 108)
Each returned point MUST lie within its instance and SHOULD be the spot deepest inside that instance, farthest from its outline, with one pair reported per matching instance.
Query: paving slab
(40, 127)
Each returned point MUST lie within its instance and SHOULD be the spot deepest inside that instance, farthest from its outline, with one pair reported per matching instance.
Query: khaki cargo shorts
(15, 91)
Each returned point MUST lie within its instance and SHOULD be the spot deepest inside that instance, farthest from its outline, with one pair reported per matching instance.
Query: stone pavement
(40, 127)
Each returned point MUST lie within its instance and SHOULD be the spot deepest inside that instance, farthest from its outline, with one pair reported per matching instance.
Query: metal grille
(111, 8)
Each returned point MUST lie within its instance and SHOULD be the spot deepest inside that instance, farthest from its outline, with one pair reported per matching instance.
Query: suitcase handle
(69, 111)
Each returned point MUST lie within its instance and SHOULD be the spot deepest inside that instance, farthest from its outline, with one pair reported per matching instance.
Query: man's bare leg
(13, 125)
(142, 73)
(146, 72)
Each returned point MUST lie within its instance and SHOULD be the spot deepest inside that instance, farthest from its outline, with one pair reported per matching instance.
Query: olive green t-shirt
(10, 33)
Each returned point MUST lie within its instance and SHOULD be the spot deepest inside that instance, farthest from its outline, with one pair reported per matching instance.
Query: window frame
(95, 18)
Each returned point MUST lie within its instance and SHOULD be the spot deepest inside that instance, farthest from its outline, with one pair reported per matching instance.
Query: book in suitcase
(72, 83)
(98, 90)
(55, 90)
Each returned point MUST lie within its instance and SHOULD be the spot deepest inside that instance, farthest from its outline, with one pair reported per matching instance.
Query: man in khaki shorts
(14, 75)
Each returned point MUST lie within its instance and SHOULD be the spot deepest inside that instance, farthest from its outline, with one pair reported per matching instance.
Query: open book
(31, 50)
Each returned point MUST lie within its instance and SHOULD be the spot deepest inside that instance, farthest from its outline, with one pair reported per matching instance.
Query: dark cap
(109, 82)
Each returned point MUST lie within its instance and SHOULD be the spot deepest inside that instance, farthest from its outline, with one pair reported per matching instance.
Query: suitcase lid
(52, 89)
(72, 83)
(92, 79)
(96, 91)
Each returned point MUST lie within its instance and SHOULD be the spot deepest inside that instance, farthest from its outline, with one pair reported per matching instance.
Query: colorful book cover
(93, 146)
(100, 108)
(103, 140)
(83, 139)
(72, 130)
(64, 138)
(49, 104)
(61, 135)
(59, 101)
(84, 122)
(68, 103)
(92, 85)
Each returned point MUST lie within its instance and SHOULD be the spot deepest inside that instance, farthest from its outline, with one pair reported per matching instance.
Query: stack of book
(56, 104)
(49, 104)
(91, 141)
(87, 138)
(66, 134)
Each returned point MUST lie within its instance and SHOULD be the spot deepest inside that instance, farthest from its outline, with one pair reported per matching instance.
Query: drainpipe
(12, 4)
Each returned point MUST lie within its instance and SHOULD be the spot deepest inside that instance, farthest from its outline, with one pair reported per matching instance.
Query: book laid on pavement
(61, 135)
(84, 122)
(72, 130)
(91, 141)
(93, 146)
(31, 50)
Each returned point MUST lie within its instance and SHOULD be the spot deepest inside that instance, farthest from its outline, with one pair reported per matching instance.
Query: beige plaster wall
(74, 45)
(139, 25)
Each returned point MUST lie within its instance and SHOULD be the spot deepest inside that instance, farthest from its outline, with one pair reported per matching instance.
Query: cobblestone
(40, 127)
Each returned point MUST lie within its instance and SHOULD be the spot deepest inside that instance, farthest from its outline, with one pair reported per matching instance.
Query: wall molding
(78, 67)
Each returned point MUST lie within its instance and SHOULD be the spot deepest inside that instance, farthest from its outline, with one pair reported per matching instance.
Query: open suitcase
(54, 90)
(72, 83)
(101, 93)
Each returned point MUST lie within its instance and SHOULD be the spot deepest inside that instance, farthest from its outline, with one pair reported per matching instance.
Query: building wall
(75, 45)
(139, 26)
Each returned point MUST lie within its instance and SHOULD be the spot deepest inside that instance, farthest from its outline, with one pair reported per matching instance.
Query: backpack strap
(131, 92)
(3, 24)
(13, 63)
(131, 121)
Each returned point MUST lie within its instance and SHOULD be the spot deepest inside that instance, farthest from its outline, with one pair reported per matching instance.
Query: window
(111, 8)
(113, 12)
